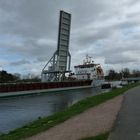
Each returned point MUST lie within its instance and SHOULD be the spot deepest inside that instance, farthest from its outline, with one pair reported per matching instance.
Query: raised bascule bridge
(59, 64)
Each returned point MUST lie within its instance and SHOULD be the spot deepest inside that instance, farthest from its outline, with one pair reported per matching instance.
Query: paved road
(127, 126)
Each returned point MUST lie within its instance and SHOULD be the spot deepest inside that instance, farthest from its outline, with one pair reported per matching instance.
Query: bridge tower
(59, 64)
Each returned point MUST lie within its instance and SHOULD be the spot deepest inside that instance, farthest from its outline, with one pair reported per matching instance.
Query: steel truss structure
(59, 64)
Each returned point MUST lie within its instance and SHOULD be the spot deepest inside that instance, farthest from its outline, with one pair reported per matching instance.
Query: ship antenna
(87, 57)
(90, 59)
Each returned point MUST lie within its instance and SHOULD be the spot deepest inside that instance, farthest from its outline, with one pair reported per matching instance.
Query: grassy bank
(99, 137)
(45, 123)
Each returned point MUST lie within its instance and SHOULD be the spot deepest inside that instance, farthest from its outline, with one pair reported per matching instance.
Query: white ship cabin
(89, 70)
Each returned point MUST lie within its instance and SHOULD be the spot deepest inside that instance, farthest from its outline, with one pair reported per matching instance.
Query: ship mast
(88, 60)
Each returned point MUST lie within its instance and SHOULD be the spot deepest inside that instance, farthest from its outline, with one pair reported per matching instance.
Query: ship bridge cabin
(89, 70)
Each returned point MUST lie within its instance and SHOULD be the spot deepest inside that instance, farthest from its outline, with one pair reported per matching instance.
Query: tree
(113, 75)
(125, 73)
(7, 77)
(135, 73)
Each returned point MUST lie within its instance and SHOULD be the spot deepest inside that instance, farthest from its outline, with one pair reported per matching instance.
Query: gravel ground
(92, 122)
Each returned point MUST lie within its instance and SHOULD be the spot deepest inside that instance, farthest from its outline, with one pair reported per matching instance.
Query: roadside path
(127, 126)
(92, 122)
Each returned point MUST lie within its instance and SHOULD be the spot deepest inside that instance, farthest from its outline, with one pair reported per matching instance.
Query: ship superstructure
(89, 70)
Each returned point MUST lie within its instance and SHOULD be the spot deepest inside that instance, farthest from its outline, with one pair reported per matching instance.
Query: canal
(18, 111)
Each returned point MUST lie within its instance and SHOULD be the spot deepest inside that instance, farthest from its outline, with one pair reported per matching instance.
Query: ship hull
(30, 92)
(33, 88)
(7, 90)
(97, 82)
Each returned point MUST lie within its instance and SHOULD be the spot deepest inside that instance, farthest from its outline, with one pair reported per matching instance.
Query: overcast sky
(107, 30)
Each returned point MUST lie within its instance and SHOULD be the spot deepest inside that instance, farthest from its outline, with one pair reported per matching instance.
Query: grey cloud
(94, 35)
(131, 2)
(20, 62)
(31, 49)
(41, 59)
(119, 59)
(35, 25)
(34, 18)
(30, 18)
(89, 36)
(134, 14)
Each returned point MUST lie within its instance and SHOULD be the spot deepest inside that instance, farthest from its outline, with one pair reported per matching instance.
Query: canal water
(18, 111)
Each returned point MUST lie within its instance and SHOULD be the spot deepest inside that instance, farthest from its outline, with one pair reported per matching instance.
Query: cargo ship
(87, 75)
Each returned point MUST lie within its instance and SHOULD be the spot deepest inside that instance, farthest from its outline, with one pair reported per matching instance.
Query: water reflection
(18, 111)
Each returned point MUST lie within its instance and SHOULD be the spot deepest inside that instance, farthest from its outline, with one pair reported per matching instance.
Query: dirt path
(92, 122)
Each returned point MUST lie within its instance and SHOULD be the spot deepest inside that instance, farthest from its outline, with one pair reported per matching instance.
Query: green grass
(99, 137)
(45, 123)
